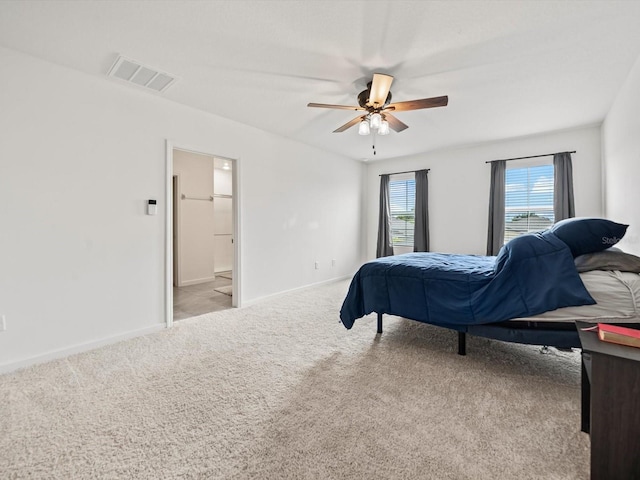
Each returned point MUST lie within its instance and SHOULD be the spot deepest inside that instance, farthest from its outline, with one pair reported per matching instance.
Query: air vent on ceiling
(134, 72)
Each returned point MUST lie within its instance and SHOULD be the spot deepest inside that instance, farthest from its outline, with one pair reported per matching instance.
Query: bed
(532, 292)
(617, 296)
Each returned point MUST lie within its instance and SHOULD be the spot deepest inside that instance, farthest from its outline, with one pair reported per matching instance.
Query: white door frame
(236, 299)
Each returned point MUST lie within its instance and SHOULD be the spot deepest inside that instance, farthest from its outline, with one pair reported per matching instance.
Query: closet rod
(409, 171)
(531, 156)
(208, 199)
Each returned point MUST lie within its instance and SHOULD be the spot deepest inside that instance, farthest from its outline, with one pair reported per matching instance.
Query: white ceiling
(510, 68)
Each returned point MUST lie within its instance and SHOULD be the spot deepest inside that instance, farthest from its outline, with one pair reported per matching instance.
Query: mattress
(617, 295)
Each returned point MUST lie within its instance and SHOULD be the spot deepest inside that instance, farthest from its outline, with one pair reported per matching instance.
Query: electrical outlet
(317, 265)
(3, 323)
(333, 262)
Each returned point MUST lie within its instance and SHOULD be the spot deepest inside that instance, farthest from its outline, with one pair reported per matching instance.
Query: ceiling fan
(375, 101)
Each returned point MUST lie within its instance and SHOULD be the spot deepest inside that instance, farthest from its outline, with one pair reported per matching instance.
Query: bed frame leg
(379, 323)
(462, 343)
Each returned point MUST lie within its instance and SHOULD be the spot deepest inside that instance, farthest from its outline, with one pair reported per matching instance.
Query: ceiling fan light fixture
(384, 128)
(376, 120)
(376, 102)
(363, 128)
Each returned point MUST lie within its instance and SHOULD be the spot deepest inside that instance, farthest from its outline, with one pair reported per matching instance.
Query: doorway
(202, 233)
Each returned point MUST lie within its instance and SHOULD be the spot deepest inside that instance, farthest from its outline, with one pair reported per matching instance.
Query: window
(402, 199)
(528, 200)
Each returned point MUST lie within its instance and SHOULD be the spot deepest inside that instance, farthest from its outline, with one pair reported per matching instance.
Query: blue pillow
(588, 235)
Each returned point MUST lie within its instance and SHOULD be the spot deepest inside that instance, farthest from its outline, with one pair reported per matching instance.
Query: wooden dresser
(611, 406)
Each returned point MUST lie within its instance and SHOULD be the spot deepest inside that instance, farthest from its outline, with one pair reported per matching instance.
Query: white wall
(621, 159)
(459, 185)
(79, 157)
(222, 181)
(196, 226)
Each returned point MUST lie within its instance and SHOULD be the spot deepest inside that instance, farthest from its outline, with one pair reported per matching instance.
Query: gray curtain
(495, 236)
(421, 225)
(385, 245)
(563, 204)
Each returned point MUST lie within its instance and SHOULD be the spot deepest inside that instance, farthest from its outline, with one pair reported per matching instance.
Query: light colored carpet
(281, 390)
(227, 290)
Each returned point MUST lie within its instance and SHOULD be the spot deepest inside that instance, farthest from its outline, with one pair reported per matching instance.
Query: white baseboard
(83, 347)
(79, 348)
(304, 287)
(197, 281)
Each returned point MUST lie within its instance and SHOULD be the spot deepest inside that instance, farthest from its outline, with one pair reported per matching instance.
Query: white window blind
(402, 199)
(528, 200)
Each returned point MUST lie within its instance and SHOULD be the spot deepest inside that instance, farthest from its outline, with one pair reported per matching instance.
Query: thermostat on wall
(152, 207)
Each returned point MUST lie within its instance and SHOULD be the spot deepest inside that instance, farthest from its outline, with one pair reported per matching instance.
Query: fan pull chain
(373, 141)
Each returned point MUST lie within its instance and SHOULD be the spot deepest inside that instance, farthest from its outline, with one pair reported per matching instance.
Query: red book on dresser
(620, 335)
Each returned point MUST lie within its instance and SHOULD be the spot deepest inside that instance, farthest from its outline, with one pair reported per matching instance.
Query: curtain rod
(531, 156)
(408, 171)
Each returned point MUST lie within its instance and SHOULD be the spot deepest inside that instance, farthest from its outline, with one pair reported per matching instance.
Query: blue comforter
(532, 274)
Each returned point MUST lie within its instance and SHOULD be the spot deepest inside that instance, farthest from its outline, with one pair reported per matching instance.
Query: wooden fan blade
(394, 123)
(349, 124)
(380, 87)
(418, 104)
(339, 107)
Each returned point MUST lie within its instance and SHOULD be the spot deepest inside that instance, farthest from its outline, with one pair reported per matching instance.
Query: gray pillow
(610, 259)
